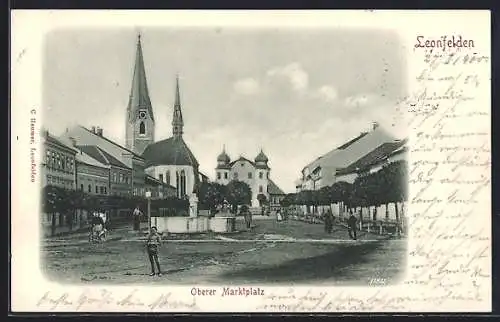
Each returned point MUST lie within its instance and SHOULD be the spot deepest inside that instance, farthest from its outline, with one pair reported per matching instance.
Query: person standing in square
(153, 244)
(137, 218)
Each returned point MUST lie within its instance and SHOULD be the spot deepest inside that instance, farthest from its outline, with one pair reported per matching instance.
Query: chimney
(93, 129)
(73, 141)
(99, 131)
(375, 125)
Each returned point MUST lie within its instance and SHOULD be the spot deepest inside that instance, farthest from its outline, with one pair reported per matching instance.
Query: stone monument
(193, 206)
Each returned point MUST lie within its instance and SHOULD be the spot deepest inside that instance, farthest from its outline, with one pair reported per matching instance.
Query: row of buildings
(364, 154)
(83, 158)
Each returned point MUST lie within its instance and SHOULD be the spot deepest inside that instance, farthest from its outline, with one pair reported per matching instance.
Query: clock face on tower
(142, 114)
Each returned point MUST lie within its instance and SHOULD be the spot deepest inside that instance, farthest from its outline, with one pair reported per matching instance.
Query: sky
(294, 93)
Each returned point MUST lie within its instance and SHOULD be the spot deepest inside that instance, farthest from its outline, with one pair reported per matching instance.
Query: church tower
(177, 122)
(140, 123)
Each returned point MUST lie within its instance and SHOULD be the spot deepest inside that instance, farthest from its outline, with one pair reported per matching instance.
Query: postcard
(244, 161)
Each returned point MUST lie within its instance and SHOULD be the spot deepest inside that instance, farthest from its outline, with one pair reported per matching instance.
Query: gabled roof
(51, 139)
(171, 151)
(377, 155)
(242, 158)
(102, 156)
(112, 142)
(352, 150)
(87, 159)
(273, 189)
(351, 142)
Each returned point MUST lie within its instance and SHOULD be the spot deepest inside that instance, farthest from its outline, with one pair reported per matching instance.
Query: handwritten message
(100, 300)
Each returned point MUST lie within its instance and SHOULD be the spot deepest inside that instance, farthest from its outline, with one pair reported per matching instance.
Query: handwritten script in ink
(104, 299)
(449, 173)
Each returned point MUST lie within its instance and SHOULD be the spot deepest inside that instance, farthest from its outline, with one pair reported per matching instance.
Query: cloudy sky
(294, 93)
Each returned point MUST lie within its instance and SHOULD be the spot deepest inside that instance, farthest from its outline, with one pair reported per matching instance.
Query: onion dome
(261, 157)
(223, 157)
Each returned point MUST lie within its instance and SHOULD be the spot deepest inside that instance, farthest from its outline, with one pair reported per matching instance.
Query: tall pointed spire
(139, 94)
(177, 122)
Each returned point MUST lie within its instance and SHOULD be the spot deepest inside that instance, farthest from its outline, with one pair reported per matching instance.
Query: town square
(241, 198)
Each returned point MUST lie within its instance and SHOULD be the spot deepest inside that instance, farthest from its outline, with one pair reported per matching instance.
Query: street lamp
(148, 196)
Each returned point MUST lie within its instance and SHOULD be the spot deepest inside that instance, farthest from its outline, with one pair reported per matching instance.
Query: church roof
(139, 94)
(171, 151)
(273, 189)
(261, 157)
(223, 157)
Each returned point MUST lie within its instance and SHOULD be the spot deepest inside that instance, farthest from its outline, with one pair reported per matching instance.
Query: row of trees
(388, 185)
(67, 202)
(235, 193)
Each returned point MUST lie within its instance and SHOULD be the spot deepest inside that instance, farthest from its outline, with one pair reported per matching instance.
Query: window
(177, 184)
(105, 191)
(183, 183)
(261, 175)
(121, 178)
(167, 177)
(142, 128)
(161, 177)
(81, 187)
(114, 177)
(96, 189)
(268, 175)
(225, 175)
(242, 164)
(90, 188)
(218, 175)
(235, 176)
(261, 189)
(249, 175)
(101, 190)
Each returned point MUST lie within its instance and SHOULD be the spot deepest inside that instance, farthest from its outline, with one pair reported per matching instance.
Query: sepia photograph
(220, 155)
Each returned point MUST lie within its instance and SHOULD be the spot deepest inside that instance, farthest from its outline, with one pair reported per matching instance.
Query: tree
(305, 197)
(262, 201)
(52, 203)
(288, 200)
(210, 195)
(343, 192)
(395, 176)
(238, 193)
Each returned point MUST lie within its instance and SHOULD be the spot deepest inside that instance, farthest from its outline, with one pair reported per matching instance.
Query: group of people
(98, 226)
(329, 220)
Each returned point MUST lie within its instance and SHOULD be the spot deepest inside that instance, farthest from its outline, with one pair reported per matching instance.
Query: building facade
(123, 162)
(58, 166)
(92, 176)
(159, 189)
(322, 172)
(255, 173)
(120, 181)
(374, 161)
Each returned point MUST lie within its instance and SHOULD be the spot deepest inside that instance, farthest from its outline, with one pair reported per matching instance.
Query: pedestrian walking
(153, 244)
(137, 218)
(351, 226)
(279, 217)
(328, 218)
